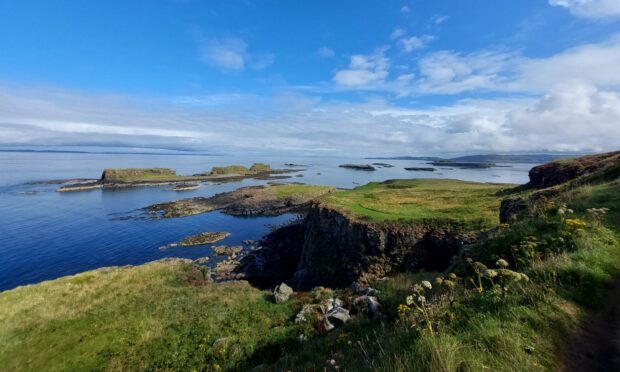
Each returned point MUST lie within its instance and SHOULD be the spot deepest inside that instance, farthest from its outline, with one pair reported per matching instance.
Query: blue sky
(362, 77)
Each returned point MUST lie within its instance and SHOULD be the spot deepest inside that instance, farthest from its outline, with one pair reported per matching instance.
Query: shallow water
(45, 234)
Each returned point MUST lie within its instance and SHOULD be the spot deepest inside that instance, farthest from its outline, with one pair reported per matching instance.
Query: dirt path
(597, 347)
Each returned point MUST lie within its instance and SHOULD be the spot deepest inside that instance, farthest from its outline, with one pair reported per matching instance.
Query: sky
(361, 78)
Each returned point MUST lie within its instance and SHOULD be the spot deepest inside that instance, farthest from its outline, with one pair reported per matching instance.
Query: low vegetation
(421, 199)
(138, 174)
(256, 168)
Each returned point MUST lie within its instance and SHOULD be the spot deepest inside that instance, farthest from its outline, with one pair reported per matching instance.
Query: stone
(367, 305)
(282, 293)
(338, 315)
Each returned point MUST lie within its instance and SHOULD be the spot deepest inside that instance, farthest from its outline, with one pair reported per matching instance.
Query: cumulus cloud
(596, 9)
(405, 9)
(364, 70)
(397, 33)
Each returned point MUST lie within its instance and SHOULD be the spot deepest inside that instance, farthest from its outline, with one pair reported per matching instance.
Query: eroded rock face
(338, 250)
(557, 172)
(276, 259)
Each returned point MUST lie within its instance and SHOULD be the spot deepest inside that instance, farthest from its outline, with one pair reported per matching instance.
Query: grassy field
(160, 315)
(291, 190)
(421, 199)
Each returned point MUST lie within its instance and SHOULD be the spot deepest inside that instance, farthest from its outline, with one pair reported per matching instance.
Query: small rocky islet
(204, 238)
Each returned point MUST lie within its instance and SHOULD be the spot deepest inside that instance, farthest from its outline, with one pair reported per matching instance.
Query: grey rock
(282, 293)
(367, 305)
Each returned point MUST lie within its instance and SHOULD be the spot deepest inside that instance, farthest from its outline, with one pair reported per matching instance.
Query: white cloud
(570, 118)
(449, 72)
(398, 32)
(596, 9)
(325, 52)
(227, 54)
(441, 19)
(409, 44)
(405, 9)
(364, 70)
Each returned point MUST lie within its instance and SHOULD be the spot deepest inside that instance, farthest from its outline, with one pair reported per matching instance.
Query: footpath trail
(597, 347)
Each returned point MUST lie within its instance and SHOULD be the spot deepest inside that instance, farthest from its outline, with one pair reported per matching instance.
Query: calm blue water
(45, 234)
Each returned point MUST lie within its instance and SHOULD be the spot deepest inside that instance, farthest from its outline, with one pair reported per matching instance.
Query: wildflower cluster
(597, 214)
(499, 279)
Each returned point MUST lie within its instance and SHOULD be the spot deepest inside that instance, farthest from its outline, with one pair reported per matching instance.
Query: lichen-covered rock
(367, 305)
(282, 293)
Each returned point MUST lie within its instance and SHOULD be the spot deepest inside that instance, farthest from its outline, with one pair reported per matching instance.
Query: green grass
(160, 315)
(139, 174)
(230, 169)
(241, 170)
(421, 199)
(302, 190)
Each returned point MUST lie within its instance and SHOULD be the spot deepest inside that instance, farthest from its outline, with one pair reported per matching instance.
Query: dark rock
(367, 305)
(364, 167)
(277, 258)
(510, 209)
(338, 250)
(421, 169)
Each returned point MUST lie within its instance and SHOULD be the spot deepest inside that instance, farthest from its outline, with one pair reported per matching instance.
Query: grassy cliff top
(421, 199)
(157, 316)
(138, 174)
(242, 170)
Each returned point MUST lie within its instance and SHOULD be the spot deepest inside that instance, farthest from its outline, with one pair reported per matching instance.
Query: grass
(139, 174)
(241, 170)
(301, 190)
(421, 199)
(160, 315)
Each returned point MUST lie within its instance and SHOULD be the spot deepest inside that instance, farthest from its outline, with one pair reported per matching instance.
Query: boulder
(367, 305)
(282, 293)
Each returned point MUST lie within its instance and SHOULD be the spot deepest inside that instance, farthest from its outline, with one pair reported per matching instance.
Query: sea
(45, 234)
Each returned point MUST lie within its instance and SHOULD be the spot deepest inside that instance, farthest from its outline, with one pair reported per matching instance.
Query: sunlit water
(45, 234)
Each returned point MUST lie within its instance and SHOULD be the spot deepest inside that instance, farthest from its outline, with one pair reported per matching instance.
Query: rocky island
(362, 167)
(140, 177)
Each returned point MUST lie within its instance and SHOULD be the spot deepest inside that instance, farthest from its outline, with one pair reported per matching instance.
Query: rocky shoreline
(272, 199)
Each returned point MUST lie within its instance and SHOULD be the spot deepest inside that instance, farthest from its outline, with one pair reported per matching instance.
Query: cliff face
(339, 250)
(561, 171)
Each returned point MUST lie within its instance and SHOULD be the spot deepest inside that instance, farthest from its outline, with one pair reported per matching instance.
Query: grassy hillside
(161, 315)
(421, 199)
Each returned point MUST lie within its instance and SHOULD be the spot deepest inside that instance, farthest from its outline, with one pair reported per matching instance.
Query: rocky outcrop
(561, 171)
(276, 259)
(363, 167)
(512, 208)
(338, 250)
